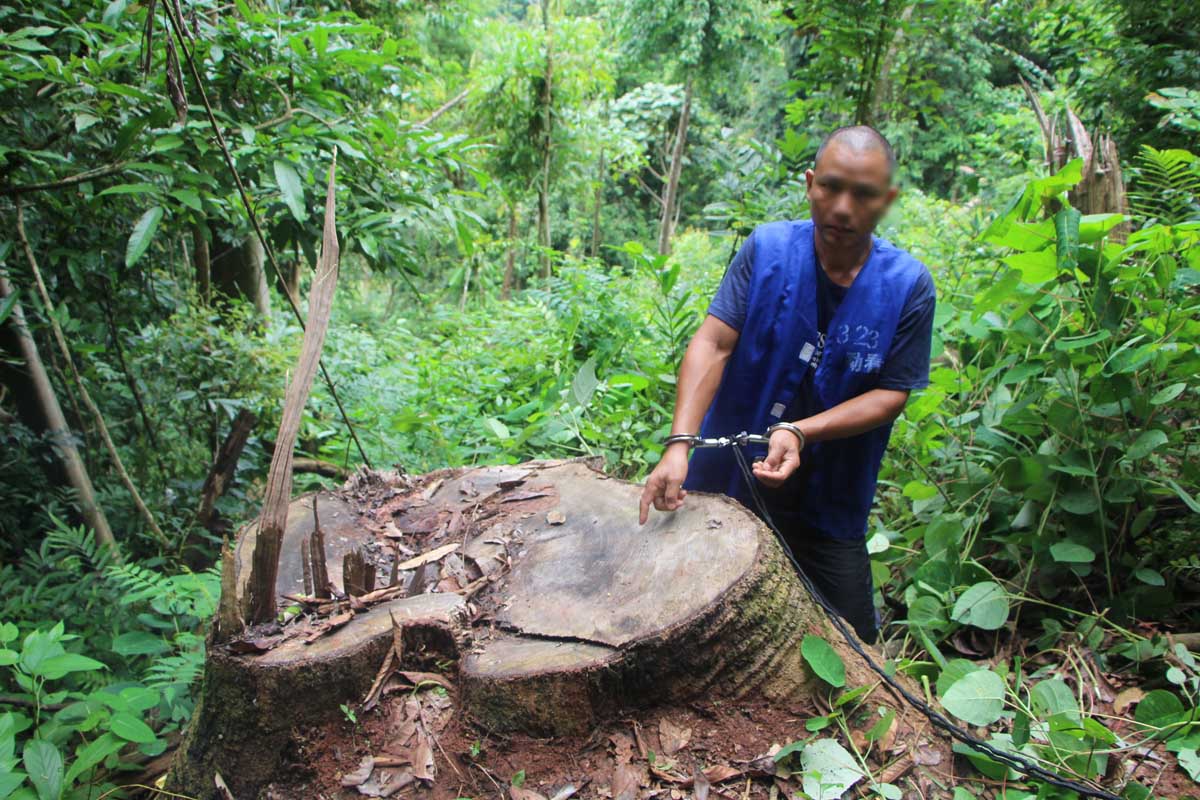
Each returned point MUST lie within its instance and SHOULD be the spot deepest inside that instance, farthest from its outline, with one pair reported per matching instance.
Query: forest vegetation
(535, 204)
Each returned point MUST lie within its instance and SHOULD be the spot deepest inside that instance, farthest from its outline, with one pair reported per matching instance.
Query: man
(821, 324)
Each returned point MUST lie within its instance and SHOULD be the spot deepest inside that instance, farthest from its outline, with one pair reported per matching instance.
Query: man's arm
(699, 376)
(857, 415)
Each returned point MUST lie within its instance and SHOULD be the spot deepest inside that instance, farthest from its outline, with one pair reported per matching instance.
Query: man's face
(848, 192)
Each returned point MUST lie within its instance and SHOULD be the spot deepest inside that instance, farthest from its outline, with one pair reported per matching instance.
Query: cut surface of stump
(529, 589)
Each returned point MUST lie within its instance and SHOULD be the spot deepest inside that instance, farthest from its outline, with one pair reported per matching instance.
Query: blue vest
(775, 350)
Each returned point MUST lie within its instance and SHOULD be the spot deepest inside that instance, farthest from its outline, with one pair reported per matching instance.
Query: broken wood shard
(551, 623)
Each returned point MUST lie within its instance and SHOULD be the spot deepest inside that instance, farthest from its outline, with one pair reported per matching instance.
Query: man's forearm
(857, 415)
(699, 376)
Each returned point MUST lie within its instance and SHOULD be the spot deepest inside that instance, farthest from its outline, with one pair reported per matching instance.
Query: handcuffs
(741, 439)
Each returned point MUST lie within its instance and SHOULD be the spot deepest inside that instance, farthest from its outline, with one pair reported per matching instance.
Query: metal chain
(1017, 762)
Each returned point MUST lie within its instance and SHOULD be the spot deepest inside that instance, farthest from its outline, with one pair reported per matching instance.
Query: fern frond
(1166, 186)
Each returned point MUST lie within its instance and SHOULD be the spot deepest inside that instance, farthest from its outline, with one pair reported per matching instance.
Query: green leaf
(1066, 228)
(824, 660)
(291, 189)
(143, 233)
(139, 643)
(1068, 552)
(189, 198)
(1150, 577)
(44, 764)
(1054, 696)
(1188, 500)
(1158, 709)
(129, 188)
(58, 666)
(1081, 501)
(129, 727)
(91, 754)
(984, 605)
(584, 383)
(1145, 444)
(829, 770)
(1035, 268)
(1167, 394)
(7, 305)
(977, 697)
(498, 428)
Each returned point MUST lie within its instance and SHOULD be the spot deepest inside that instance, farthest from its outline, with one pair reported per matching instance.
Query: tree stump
(533, 590)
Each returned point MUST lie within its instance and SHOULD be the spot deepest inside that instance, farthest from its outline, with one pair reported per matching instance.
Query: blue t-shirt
(906, 366)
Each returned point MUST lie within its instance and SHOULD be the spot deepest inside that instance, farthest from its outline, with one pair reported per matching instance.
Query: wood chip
(433, 555)
(517, 497)
(556, 517)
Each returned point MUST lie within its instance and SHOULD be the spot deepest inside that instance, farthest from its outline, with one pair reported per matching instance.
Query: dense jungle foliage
(524, 261)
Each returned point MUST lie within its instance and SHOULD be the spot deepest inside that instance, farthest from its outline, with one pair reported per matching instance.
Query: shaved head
(860, 139)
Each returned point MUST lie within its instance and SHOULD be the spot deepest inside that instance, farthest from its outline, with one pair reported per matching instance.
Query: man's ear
(892, 193)
(808, 178)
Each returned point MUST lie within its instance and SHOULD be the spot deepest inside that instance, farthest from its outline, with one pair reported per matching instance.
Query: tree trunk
(202, 264)
(597, 197)
(548, 139)
(56, 425)
(260, 605)
(554, 610)
(510, 257)
(671, 191)
(240, 271)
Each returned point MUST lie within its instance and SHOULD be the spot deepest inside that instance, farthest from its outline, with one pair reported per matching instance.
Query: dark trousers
(841, 571)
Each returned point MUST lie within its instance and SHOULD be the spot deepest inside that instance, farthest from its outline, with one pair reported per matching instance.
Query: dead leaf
(360, 775)
(255, 646)
(386, 783)
(700, 786)
(672, 737)
(1127, 697)
(521, 793)
(622, 747)
(422, 758)
(626, 780)
(927, 756)
(721, 772)
(555, 517)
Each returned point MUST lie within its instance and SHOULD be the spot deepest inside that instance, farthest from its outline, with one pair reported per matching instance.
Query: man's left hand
(783, 456)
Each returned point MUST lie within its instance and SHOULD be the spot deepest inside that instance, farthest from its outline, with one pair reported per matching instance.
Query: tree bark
(223, 468)
(510, 257)
(671, 191)
(201, 263)
(56, 425)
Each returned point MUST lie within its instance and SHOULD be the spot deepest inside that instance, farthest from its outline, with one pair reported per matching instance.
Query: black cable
(1017, 762)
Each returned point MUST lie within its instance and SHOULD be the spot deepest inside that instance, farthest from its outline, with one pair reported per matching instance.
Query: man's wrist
(792, 428)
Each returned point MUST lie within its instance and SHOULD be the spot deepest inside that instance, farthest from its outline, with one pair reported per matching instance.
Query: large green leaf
(44, 764)
(143, 233)
(1054, 696)
(57, 666)
(291, 188)
(977, 697)
(1158, 709)
(824, 660)
(584, 383)
(1146, 443)
(984, 605)
(1068, 552)
(127, 726)
(829, 770)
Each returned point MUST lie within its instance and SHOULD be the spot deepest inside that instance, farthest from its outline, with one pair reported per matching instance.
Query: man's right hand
(664, 488)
